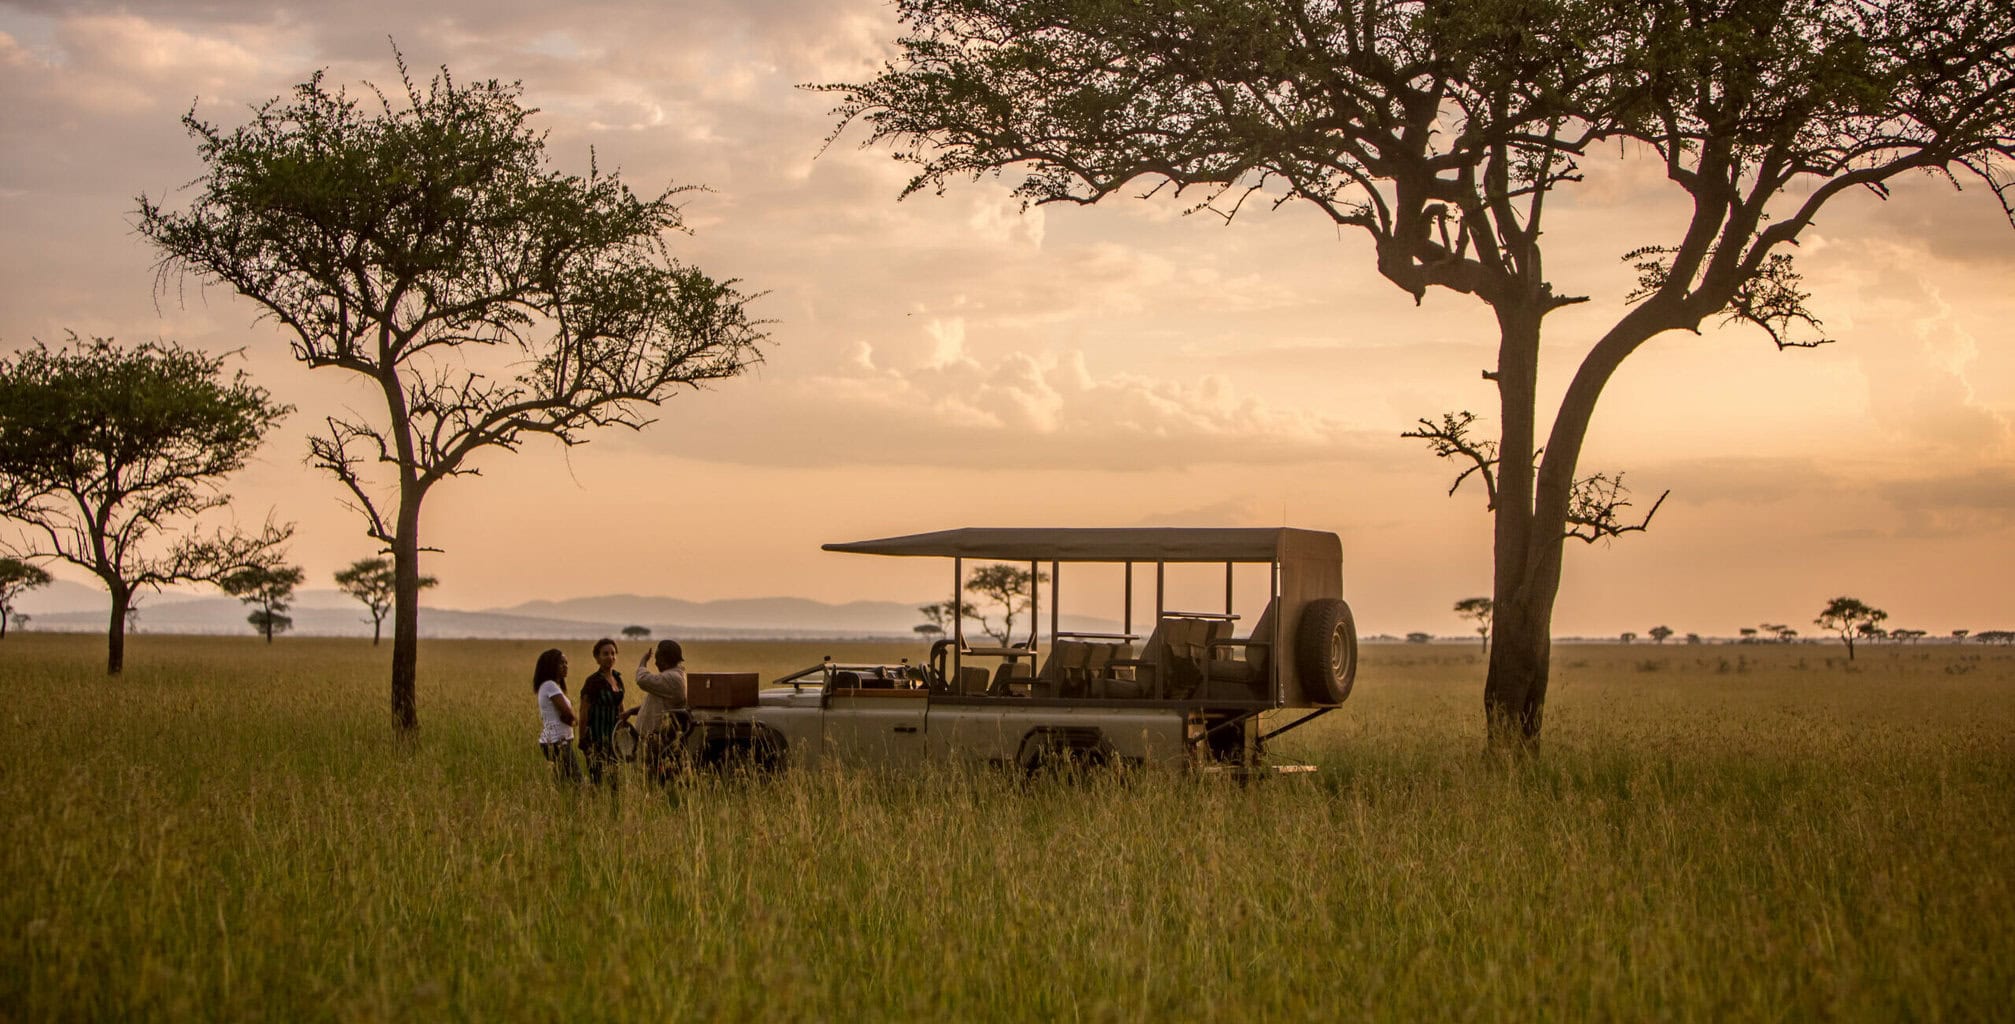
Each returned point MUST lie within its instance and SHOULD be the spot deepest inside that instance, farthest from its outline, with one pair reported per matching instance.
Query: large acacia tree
(109, 457)
(423, 245)
(1443, 130)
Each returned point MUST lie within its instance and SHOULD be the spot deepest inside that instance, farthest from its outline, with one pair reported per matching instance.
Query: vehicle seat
(1171, 662)
(1241, 669)
(1064, 667)
(973, 680)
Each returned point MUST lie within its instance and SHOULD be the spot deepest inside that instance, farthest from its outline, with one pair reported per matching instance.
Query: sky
(955, 360)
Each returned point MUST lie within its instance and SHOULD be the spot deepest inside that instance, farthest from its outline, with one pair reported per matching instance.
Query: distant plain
(229, 831)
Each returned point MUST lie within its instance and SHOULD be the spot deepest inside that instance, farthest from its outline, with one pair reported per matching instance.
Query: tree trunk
(1514, 691)
(406, 616)
(377, 629)
(115, 632)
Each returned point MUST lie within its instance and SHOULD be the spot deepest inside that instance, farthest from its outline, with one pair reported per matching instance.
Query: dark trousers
(566, 768)
(602, 764)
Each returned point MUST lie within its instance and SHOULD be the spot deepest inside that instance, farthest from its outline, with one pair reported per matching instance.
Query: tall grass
(229, 831)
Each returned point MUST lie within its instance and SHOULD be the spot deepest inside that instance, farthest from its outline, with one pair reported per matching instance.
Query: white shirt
(551, 729)
(663, 691)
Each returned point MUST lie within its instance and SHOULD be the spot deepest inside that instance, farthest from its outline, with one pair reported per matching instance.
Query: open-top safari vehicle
(1193, 690)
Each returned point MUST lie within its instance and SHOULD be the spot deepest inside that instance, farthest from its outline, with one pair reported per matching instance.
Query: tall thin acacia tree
(111, 456)
(1442, 130)
(424, 245)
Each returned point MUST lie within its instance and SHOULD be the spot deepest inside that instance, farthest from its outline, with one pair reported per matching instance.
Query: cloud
(1953, 504)
(934, 404)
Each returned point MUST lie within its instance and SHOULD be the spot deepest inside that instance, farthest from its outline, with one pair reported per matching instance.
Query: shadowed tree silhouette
(425, 246)
(1010, 587)
(271, 588)
(16, 578)
(1478, 608)
(373, 582)
(106, 452)
(1849, 617)
(1441, 132)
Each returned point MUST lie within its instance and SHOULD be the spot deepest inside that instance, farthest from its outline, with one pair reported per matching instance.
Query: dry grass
(1754, 832)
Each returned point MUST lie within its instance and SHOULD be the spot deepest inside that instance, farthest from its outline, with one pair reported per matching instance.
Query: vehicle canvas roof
(1109, 544)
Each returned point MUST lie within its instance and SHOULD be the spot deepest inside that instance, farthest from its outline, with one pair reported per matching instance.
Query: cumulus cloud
(1953, 504)
(938, 405)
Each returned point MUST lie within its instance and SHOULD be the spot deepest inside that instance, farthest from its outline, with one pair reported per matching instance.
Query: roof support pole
(1055, 602)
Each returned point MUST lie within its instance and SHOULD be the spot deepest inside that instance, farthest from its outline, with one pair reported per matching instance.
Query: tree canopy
(1011, 587)
(1443, 133)
(371, 581)
(270, 589)
(424, 243)
(109, 454)
(1850, 617)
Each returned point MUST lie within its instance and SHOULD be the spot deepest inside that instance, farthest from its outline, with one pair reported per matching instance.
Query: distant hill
(71, 607)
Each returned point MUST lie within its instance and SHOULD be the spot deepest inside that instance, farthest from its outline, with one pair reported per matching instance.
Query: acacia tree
(1477, 608)
(106, 452)
(16, 578)
(373, 581)
(942, 617)
(1658, 634)
(270, 589)
(1442, 131)
(1849, 617)
(1011, 587)
(426, 247)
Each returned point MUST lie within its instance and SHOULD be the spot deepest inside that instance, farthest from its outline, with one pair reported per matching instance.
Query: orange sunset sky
(953, 360)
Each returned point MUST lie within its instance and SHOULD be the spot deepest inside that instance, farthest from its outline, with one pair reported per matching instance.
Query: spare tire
(1325, 650)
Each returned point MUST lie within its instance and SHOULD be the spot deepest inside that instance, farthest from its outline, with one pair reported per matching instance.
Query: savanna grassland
(229, 831)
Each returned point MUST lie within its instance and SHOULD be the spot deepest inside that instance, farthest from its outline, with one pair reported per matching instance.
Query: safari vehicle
(1192, 692)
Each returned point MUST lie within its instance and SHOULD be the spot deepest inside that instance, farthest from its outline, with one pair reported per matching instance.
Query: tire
(1325, 654)
(625, 742)
(1070, 753)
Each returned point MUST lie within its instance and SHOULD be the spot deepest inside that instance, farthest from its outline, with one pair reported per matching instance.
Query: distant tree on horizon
(1012, 588)
(1659, 633)
(1419, 638)
(938, 616)
(1629, 637)
(373, 582)
(271, 588)
(428, 248)
(16, 578)
(1960, 635)
(1480, 609)
(1748, 634)
(1442, 132)
(1849, 617)
(108, 451)
(634, 633)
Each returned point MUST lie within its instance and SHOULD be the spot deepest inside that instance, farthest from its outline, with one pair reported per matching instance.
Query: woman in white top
(556, 716)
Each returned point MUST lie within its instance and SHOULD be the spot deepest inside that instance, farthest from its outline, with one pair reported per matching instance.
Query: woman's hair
(548, 669)
(670, 653)
(599, 644)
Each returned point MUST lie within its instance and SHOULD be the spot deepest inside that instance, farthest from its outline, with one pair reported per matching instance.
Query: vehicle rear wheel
(625, 742)
(1326, 650)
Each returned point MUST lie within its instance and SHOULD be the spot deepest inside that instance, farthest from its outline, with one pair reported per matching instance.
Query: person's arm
(669, 684)
(563, 706)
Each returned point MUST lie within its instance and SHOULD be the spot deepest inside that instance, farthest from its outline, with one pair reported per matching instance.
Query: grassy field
(229, 832)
